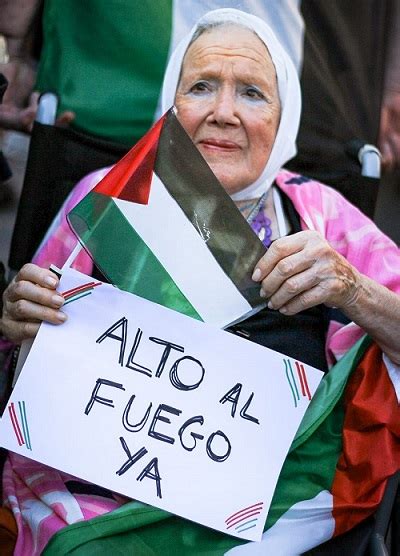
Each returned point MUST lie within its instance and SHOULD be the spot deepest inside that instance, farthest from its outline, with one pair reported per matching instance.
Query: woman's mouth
(219, 145)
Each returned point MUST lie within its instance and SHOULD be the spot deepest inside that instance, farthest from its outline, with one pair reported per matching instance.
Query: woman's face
(227, 101)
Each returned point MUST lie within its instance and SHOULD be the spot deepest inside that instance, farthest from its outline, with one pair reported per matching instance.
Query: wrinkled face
(227, 100)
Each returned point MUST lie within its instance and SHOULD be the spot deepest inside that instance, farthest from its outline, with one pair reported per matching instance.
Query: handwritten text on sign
(159, 407)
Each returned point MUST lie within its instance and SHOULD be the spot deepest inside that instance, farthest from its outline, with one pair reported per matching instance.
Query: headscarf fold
(284, 147)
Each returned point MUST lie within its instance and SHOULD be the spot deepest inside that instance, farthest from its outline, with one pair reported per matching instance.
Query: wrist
(357, 295)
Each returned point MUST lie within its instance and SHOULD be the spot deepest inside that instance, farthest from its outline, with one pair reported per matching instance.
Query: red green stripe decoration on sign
(21, 428)
(331, 479)
(297, 381)
(244, 519)
(80, 291)
(161, 226)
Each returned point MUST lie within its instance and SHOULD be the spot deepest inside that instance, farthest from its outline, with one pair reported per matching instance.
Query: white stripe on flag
(305, 525)
(168, 233)
(394, 374)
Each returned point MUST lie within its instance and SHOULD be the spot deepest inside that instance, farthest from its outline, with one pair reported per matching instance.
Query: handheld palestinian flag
(161, 226)
(333, 478)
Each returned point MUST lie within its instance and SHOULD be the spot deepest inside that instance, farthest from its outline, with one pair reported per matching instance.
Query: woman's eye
(253, 93)
(200, 87)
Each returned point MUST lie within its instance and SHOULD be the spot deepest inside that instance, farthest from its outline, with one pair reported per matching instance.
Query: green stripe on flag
(140, 530)
(122, 255)
(329, 391)
(311, 463)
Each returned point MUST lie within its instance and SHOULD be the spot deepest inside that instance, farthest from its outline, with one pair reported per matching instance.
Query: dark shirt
(3, 86)
(300, 336)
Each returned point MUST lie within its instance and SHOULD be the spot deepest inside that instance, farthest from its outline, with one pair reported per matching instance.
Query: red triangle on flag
(130, 179)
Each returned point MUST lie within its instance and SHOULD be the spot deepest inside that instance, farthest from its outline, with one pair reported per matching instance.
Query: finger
(41, 276)
(34, 100)
(293, 287)
(279, 249)
(28, 311)
(27, 290)
(305, 300)
(27, 117)
(30, 329)
(11, 118)
(65, 119)
(17, 332)
(286, 274)
(36, 285)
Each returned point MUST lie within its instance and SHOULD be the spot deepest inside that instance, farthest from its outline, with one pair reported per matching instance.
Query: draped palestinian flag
(161, 226)
(333, 478)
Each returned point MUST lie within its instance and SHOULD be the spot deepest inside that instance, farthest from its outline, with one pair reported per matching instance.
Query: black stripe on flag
(190, 181)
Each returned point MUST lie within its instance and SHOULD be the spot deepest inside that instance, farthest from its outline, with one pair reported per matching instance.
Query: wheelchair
(70, 155)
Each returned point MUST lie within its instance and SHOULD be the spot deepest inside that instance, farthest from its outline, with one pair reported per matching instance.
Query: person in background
(350, 82)
(121, 54)
(105, 61)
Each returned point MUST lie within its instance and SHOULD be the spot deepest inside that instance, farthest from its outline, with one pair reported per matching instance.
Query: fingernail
(256, 275)
(269, 305)
(62, 316)
(262, 293)
(283, 310)
(49, 281)
(57, 300)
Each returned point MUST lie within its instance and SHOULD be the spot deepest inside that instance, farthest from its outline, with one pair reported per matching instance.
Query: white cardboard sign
(160, 407)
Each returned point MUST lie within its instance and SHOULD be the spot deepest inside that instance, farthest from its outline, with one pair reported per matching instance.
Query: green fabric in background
(105, 232)
(106, 59)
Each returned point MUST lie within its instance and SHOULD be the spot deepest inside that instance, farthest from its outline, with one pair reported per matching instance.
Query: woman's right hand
(29, 299)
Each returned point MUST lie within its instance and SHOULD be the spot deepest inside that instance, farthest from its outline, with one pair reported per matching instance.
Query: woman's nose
(225, 108)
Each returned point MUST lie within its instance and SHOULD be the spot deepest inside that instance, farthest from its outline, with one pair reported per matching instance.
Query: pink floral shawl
(37, 494)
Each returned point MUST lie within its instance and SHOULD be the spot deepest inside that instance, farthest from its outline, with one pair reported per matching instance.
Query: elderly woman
(237, 95)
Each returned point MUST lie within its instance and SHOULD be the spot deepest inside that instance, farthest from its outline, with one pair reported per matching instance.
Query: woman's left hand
(303, 270)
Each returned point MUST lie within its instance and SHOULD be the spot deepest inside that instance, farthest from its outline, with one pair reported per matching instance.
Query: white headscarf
(284, 147)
